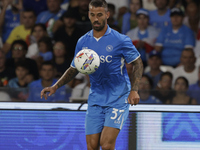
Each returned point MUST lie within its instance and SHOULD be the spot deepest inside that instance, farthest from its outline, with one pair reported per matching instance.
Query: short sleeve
(130, 53)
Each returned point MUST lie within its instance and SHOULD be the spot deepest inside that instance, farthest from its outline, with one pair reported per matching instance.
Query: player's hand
(51, 91)
(133, 98)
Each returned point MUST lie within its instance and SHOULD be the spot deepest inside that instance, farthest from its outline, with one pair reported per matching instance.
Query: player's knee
(107, 146)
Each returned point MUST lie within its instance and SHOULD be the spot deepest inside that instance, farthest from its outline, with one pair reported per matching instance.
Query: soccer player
(111, 92)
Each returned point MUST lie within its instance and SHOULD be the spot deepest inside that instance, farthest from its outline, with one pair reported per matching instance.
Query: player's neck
(98, 34)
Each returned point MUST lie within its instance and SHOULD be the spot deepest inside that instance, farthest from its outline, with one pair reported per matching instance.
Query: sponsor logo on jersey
(107, 58)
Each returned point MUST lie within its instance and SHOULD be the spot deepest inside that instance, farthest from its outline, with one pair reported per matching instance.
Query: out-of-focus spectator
(36, 5)
(38, 31)
(81, 13)
(172, 39)
(192, 18)
(111, 20)
(60, 60)
(161, 16)
(18, 85)
(143, 36)
(45, 47)
(72, 3)
(163, 90)
(181, 97)
(115, 27)
(187, 68)
(45, 53)
(82, 90)
(69, 33)
(128, 21)
(194, 89)
(149, 4)
(19, 50)
(176, 3)
(154, 62)
(47, 73)
(186, 2)
(9, 18)
(197, 46)
(121, 11)
(145, 87)
(53, 13)
(21, 31)
(6, 73)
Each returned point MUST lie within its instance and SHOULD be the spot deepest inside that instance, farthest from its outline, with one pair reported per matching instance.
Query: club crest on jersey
(87, 62)
(109, 48)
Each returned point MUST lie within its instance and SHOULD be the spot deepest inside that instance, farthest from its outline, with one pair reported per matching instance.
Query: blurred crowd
(38, 39)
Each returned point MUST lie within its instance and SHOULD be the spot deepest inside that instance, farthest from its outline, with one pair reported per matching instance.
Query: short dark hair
(49, 63)
(21, 42)
(39, 25)
(166, 74)
(99, 3)
(47, 41)
(23, 64)
(30, 10)
(184, 79)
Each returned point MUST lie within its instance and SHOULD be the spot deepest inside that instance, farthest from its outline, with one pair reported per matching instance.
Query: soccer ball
(87, 61)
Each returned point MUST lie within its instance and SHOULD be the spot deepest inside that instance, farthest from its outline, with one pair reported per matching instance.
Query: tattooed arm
(135, 80)
(66, 77)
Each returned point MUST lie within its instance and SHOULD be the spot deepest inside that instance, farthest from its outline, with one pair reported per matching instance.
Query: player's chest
(103, 47)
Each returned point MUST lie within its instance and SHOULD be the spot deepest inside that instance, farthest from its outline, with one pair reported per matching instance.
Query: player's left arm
(134, 98)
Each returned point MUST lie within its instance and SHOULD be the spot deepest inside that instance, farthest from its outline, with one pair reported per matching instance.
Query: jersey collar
(108, 31)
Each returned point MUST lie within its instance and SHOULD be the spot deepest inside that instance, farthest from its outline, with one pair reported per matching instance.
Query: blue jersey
(110, 83)
(36, 87)
(174, 43)
(10, 22)
(159, 21)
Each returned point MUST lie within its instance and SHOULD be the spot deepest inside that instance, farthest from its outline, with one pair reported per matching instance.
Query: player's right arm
(66, 77)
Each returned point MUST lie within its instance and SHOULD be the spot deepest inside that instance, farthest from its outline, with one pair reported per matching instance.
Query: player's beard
(99, 28)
